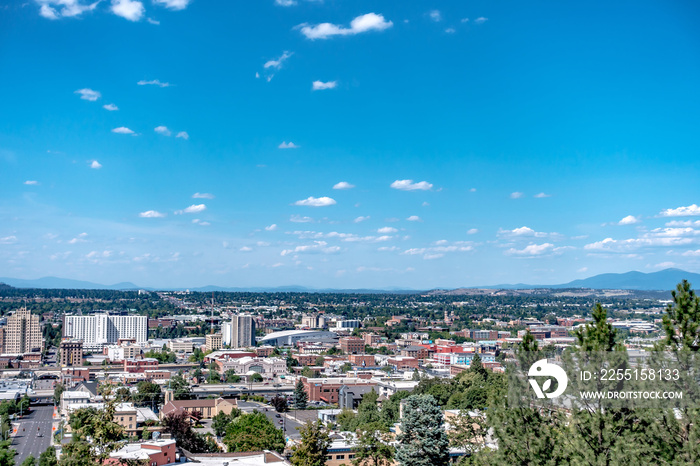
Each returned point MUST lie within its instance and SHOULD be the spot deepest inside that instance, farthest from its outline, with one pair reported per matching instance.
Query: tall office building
(99, 330)
(242, 331)
(71, 353)
(23, 333)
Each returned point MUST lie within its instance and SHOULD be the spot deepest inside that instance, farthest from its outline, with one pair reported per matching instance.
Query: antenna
(212, 313)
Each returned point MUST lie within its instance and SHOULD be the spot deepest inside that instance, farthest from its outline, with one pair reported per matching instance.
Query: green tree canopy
(253, 432)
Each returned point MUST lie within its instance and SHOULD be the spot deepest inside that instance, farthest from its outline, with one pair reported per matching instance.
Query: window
(340, 457)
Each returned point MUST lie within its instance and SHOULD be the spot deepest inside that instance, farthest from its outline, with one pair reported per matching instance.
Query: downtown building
(22, 334)
(99, 330)
(240, 332)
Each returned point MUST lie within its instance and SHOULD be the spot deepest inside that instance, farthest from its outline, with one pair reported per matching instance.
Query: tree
(256, 378)
(221, 421)
(253, 432)
(423, 441)
(373, 448)
(300, 397)
(48, 457)
(178, 424)
(682, 319)
(29, 461)
(180, 387)
(213, 375)
(60, 388)
(280, 404)
(475, 367)
(320, 360)
(307, 372)
(230, 376)
(313, 449)
(7, 454)
(148, 393)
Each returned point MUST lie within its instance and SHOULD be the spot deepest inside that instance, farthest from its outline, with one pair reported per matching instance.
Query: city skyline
(182, 143)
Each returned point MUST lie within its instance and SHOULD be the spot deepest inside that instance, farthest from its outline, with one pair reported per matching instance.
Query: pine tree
(300, 397)
(48, 458)
(423, 441)
(373, 448)
(313, 449)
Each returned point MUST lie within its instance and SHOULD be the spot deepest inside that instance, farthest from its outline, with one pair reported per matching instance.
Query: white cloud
(480, 20)
(300, 219)
(8, 239)
(193, 209)
(272, 227)
(414, 218)
(55, 9)
(364, 23)
(629, 220)
(203, 196)
(387, 230)
(151, 214)
(542, 195)
(361, 219)
(277, 64)
(343, 185)
(129, 9)
(464, 20)
(246, 249)
(683, 223)
(435, 15)
(442, 247)
(162, 130)
(516, 195)
(173, 4)
(285, 2)
(110, 107)
(472, 231)
(317, 247)
(320, 85)
(665, 265)
(153, 21)
(122, 130)
(687, 211)
(153, 82)
(659, 237)
(287, 145)
(88, 94)
(316, 201)
(31, 182)
(200, 222)
(531, 250)
(388, 248)
(409, 185)
(95, 164)
(183, 135)
(695, 253)
(472, 190)
(524, 232)
(582, 269)
(79, 239)
(450, 31)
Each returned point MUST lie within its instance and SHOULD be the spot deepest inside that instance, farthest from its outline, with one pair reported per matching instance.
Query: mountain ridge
(662, 280)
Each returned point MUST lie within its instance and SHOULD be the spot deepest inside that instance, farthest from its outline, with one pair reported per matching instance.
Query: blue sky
(177, 143)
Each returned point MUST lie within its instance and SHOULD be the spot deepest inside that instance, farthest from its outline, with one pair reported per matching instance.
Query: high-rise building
(242, 331)
(71, 353)
(23, 333)
(99, 330)
(213, 341)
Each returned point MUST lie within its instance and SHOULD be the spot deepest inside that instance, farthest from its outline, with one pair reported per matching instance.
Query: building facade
(23, 333)
(242, 331)
(71, 353)
(99, 330)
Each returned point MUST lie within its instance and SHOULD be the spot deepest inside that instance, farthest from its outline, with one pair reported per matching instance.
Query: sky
(348, 144)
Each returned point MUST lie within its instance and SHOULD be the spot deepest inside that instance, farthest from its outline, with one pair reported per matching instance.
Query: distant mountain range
(664, 280)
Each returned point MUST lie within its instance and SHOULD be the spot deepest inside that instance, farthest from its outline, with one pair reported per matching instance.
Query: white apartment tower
(99, 330)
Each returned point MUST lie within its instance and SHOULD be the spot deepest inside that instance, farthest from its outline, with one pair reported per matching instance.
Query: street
(27, 440)
(290, 426)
